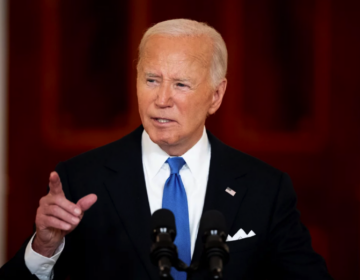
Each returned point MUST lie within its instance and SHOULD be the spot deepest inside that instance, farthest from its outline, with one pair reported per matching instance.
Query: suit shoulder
(255, 164)
(241, 160)
(260, 175)
(100, 155)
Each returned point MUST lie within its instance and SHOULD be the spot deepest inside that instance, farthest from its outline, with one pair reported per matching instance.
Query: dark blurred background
(293, 98)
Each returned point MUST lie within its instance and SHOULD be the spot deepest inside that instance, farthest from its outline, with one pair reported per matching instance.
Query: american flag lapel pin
(230, 191)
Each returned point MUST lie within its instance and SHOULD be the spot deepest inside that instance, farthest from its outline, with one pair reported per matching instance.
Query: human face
(174, 90)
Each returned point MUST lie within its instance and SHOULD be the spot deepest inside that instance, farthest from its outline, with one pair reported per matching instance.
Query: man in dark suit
(181, 80)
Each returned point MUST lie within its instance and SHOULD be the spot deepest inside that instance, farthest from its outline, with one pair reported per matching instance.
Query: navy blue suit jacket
(113, 239)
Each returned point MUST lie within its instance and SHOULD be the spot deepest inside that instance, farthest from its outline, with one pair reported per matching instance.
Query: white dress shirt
(39, 265)
(194, 175)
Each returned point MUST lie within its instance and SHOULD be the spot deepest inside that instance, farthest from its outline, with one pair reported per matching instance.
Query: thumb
(86, 202)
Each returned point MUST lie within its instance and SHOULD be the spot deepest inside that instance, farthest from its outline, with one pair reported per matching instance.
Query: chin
(162, 138)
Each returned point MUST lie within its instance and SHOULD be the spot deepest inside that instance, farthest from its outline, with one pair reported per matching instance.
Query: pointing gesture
(56, 216)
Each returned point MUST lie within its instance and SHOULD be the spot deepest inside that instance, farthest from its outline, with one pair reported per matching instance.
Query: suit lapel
(128, 192)
(225, 171)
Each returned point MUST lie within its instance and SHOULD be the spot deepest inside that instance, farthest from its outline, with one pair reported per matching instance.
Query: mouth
(162, 121)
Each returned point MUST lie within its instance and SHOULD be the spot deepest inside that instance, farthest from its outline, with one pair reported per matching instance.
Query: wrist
(46, 250)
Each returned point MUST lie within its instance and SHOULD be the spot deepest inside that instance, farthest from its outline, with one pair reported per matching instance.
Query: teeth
(163, 120)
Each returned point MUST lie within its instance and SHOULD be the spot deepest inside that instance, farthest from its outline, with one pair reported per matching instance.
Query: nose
(164, 96)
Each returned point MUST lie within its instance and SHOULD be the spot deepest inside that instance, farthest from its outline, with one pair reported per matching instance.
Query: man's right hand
(57, 216)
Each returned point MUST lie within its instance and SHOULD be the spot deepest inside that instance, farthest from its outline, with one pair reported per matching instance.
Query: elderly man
(181, 81)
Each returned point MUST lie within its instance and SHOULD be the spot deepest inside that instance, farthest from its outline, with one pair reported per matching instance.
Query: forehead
(166, 50)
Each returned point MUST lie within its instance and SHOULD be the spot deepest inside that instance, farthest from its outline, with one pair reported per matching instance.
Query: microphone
(163, 251)
(216, 251)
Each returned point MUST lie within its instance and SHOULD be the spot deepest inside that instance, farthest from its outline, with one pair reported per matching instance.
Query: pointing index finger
(55, 184)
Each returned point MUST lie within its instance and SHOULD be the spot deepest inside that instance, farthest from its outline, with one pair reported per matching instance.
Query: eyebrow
(182, 80)
(152, 75)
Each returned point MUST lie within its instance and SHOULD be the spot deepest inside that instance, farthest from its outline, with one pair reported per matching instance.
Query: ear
(218, 96)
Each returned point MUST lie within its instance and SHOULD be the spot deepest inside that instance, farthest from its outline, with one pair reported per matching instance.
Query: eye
(152, 82)
(181, 85)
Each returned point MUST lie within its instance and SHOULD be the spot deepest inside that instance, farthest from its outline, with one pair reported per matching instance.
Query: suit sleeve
(16, 267)
(292, 256)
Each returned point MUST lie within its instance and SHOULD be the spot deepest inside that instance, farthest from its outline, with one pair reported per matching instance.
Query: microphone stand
(164, 255)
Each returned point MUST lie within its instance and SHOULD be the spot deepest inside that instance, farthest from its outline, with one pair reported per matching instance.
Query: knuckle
(57, 200)
(38, 211)
(56, 223)
(39, 220)
(69, 206)
(50, 210)
(54, 210)
(42, 200)
(51, 221)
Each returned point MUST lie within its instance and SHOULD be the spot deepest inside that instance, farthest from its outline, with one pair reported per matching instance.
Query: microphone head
(213, 220)
(164, 220)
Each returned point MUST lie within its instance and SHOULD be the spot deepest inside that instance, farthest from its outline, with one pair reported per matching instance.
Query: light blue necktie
(174, 199)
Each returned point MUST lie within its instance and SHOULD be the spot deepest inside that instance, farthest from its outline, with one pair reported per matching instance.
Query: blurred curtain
(292, 98)
(3, 68)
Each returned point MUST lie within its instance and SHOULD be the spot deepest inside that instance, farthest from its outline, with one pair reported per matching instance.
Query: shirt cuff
(39, 265)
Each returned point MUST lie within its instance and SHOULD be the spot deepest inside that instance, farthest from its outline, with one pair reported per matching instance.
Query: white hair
(187, 27)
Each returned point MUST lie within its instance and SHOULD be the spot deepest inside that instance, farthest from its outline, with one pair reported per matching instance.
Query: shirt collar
(154, 157)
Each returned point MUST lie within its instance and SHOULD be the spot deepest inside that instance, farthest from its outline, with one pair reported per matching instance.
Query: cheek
(197, 108)
(144, 100)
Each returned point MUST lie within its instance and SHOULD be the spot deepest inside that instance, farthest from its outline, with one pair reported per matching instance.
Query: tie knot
(175, 164)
